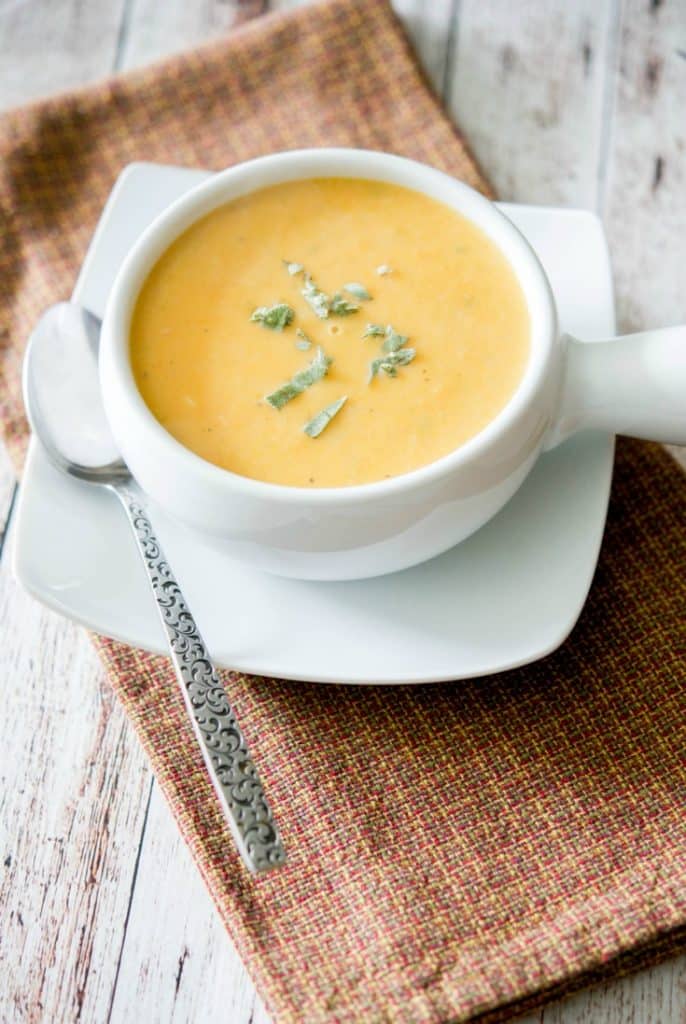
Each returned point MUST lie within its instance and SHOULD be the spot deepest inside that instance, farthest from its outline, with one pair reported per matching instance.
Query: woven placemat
(455, 851)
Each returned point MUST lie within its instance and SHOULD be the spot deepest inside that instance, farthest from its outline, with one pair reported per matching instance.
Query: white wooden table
(104, 917)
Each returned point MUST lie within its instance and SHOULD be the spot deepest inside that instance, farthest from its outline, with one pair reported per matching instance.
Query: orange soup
(329, 332)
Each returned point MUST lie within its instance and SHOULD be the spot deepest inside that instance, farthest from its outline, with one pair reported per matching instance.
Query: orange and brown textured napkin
(458, 851)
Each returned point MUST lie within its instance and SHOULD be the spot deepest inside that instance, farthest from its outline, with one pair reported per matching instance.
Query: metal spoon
(62, 397)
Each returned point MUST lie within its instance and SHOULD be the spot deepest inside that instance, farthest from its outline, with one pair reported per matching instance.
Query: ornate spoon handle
(222, 743)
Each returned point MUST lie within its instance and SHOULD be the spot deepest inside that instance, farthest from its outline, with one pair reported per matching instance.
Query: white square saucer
(508, 595)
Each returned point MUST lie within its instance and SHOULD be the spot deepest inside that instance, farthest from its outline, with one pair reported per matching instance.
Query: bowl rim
(301, 164)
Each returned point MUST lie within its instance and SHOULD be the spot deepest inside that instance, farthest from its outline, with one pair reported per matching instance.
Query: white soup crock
(634, 385)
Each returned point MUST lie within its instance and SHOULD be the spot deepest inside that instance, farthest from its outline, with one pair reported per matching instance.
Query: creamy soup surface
(204, 367)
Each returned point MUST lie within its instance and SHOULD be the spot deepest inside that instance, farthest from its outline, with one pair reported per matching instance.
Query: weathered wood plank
(653, 996)
(177, 962)
(73, 789)
(527, 88)
(7, 494)
(75, 783)
(148, 36)
(645, 179)
(49, 46)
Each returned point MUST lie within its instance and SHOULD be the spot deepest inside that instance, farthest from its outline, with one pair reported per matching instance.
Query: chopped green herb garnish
(357, 289)
(340, 306)
(394, 352)
(393, 340)
(337, 305)
(373, 331)
(315, 298)
(390, 362)
(319, 422)
(293, 268)
(384, 268)
(303, 342)
(317, 369)
(274, 317)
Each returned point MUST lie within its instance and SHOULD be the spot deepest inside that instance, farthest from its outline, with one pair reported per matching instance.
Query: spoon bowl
(62, 395)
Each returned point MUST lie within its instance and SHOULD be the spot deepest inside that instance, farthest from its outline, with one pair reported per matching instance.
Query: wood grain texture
(73, 790)
(48, 46)
(177, 963)
(75, 784)
(7, 494)
(653, 996)
(644, 176)
(527, 87)
(104, 915)
(645, 180)
(149, 33)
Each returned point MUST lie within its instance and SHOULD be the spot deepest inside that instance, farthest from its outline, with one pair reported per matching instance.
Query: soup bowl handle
(634, 385)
